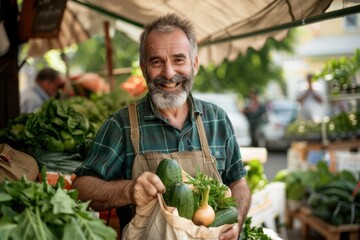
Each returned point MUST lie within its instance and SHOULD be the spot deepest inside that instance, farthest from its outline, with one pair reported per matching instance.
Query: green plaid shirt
(112, 154)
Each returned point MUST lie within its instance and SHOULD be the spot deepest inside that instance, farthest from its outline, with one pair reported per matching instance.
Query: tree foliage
(254, 69)
(91, 55)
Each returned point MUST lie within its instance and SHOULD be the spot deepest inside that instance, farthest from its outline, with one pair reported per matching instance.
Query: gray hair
(168, 23)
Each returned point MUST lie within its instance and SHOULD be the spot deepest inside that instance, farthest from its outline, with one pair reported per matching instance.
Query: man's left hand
(232, 234)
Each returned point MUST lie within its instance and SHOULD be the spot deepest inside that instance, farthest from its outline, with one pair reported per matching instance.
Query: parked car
(272, 133)
(229, 103)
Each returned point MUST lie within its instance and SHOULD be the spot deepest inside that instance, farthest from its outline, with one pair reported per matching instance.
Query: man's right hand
(146, 187)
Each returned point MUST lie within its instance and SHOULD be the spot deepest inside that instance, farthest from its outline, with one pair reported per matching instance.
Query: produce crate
(346, 160)
(328, 231)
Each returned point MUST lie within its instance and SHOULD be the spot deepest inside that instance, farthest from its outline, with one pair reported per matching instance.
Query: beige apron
(190, 161)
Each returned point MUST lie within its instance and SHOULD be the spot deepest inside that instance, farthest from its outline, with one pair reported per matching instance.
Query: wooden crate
(330, 232)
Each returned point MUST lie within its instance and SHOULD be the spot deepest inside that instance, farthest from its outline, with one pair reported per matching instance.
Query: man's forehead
(168, 45)
(175, 38)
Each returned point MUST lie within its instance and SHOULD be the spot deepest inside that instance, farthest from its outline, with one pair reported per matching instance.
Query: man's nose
(168, 71)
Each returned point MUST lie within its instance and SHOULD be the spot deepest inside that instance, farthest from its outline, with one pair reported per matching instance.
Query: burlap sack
(14, 164)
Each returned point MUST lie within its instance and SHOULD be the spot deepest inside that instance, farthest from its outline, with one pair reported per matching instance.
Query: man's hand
(232, 234)
(146, 187)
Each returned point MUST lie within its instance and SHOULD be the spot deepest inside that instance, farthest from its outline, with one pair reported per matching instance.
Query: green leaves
(32, 210)
(252, 232)
(62, 203)
(7, 227)
(217, 199)
(255, 177)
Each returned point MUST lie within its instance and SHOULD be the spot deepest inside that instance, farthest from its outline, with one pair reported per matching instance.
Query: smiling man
(167, 123)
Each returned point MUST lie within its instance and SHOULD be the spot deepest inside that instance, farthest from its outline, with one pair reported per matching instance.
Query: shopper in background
(47, 83)
(255, 112)
(167, 122)
(311, 102)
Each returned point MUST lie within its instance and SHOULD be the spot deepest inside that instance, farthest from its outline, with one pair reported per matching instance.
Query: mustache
(175, 79)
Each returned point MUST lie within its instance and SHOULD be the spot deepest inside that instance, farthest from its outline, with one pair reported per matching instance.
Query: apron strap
(134, 130)
(203, 140)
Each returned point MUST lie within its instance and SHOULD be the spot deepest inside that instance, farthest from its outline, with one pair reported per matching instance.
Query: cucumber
(170, 172)
(322, 212)
(182, 198)
(225, 216)
(339, 184)
(341, 194)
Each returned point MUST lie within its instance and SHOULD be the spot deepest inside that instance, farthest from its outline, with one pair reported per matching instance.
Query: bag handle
(6, 159)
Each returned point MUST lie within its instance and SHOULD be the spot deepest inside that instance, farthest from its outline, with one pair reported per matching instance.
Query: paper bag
(14, 164)
(156, 221)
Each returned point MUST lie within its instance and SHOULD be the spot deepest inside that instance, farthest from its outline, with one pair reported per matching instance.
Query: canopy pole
(109, 56)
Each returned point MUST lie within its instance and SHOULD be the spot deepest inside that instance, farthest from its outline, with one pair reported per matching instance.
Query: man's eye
(155, 63)
(179, 60)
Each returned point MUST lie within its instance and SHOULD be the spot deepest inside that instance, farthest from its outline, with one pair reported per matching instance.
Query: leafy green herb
(252, 232)
(217, 199)
(33, 210)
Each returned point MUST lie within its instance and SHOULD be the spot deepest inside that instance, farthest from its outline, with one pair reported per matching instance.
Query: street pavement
(277, 160)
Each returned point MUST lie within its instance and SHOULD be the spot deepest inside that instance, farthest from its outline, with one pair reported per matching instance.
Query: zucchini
(225, 216)
(170, 172)
(182, 198)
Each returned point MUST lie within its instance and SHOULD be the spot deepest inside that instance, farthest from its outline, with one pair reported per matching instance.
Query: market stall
(59, 136)
(328, 203)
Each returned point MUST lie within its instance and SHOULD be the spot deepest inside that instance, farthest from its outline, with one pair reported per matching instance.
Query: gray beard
(173, 100)
(165, 100)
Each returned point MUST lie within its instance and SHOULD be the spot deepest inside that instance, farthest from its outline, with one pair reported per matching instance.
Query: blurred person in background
(255, 112)
(311, 101)
(47, 83)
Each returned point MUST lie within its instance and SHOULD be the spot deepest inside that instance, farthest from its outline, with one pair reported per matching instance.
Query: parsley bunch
(217, 199)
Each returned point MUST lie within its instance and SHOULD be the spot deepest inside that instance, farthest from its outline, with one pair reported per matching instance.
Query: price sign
(41, 18)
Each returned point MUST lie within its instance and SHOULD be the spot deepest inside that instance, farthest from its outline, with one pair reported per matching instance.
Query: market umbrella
(216, 21)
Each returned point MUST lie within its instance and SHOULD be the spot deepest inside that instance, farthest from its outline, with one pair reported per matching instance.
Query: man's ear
(196, 65)
(143, 68)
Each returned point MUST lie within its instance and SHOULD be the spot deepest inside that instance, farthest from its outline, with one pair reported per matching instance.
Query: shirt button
(217, 153)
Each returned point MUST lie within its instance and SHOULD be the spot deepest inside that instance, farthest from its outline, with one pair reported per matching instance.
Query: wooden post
(109, 56)
(9, 80)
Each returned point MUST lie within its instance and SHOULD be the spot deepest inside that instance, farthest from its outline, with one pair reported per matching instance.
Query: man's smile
(169, 86)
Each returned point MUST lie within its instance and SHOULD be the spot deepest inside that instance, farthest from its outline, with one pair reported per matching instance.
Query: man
(311, 101)
(256, 113)
(47, 83)
(167, 123)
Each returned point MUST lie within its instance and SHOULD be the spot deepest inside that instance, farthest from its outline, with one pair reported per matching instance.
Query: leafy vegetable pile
(62, 125)
(60, 134)
(255, 177)
(340, 126)
(333, 197)
(57, 127)
(32, 210)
